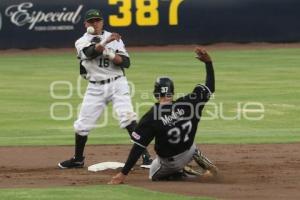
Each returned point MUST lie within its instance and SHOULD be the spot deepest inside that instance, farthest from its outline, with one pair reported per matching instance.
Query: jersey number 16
(103, 62)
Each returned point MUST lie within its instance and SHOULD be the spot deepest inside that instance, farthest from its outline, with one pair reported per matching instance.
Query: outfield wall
(36, 23)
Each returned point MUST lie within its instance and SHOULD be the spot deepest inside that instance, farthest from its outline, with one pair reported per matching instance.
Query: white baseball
(90, 30)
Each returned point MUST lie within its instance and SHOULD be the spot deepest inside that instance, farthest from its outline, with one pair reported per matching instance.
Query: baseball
(90, 30)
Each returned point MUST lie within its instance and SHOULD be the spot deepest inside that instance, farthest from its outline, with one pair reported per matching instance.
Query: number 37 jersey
(173, 125)
(100, 68)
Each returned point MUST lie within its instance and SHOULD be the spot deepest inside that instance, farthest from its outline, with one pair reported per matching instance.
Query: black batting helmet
(163, 86)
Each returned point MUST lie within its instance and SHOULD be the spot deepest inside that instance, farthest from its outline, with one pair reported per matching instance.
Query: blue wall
(60, 23)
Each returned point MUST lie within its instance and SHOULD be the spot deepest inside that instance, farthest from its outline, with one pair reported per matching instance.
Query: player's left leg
(121, 100)
(122, 105)
(171, 168)
(91, 109)
(204, 162)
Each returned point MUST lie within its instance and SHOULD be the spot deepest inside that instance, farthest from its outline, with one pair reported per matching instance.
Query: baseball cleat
(71, 163)
(147, 161)
(204, 162)
(189, 170)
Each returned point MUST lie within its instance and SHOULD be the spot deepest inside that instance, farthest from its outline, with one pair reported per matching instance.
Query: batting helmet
(163, 86)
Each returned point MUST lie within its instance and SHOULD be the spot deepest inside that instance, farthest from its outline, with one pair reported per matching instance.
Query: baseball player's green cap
(93, 14)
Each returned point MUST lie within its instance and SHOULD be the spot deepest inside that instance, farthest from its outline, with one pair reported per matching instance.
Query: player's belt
(106, 81)
(171, 159)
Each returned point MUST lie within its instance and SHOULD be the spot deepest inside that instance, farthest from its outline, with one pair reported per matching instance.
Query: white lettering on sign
(20, 15)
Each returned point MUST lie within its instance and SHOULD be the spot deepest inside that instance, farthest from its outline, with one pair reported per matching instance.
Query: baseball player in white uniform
(103, 58)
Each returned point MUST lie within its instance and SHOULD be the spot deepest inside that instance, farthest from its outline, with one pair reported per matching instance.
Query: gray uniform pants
(163, 167)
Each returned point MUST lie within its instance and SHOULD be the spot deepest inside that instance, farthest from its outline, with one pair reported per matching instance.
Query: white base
(105, 165)
(146, 166)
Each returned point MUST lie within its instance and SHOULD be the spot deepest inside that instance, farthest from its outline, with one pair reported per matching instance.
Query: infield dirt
(265, 171)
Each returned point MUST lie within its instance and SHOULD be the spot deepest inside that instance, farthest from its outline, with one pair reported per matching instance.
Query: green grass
(123, 192)
(269, 77)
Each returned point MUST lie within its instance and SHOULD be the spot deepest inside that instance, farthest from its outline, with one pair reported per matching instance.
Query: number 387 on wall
(146, 12)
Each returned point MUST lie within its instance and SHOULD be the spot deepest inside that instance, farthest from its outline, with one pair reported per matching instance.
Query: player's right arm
(91, 49)
(142, 136)
(135, 154)
(98, 48)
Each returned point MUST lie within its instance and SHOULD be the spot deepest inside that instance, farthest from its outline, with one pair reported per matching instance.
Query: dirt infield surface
(268, 171)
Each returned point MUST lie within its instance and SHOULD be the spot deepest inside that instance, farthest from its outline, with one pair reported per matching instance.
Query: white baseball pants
(95, 100)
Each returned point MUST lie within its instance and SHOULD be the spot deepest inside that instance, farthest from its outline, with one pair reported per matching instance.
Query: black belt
(106, 81)
(171, 159)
